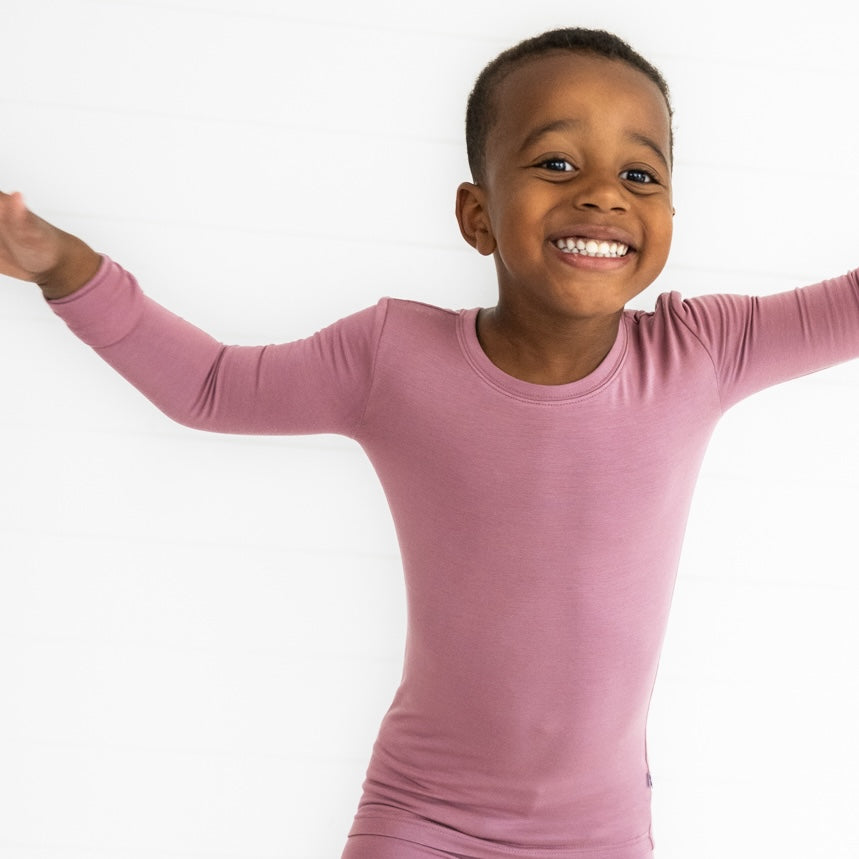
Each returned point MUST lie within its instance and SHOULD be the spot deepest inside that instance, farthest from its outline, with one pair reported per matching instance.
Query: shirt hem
(433, 835)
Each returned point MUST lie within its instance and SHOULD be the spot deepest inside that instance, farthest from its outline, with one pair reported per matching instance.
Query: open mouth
(591, 247)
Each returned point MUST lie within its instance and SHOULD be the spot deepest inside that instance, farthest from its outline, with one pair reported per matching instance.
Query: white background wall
(200, 634)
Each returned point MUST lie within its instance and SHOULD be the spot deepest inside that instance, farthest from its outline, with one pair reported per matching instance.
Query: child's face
(579, 151)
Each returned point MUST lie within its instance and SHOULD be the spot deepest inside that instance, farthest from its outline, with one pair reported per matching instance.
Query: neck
(542, 350)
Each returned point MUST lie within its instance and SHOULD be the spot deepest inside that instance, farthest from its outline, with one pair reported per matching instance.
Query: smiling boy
(539, 456)
(559, 165)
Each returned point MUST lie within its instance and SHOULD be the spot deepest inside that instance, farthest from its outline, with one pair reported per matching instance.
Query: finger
(14, 212)
(19, 207)
(16, 201)
(15, 198)
(13, 204)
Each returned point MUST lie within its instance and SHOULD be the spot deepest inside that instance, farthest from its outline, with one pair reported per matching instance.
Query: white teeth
(591, 247)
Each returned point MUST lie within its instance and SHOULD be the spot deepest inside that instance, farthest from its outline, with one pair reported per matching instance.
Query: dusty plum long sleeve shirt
(540, 529)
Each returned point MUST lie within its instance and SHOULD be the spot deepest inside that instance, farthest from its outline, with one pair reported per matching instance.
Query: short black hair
(481, 113)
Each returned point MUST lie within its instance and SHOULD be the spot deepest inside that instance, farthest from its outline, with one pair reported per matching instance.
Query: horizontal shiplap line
(255, 230)
(386, 134)
(66, 850)
(364, 23)
(286, 549)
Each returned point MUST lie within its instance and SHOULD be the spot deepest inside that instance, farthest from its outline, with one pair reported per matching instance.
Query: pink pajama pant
(382, 847)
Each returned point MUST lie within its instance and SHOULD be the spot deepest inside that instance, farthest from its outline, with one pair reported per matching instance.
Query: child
(538, 456)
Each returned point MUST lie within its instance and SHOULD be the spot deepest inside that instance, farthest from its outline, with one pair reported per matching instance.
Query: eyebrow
(548, 128)
(573, 124)
(644, 140)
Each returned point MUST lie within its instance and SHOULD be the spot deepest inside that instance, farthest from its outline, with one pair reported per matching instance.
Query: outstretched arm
(32, 249)
(316, 385)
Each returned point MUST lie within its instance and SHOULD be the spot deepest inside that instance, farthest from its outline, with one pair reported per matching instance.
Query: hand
(34, 250)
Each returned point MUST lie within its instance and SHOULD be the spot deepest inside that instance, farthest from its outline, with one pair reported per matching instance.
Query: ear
(473, 218)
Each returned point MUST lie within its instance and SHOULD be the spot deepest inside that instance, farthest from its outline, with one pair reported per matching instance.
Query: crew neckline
(531, 391)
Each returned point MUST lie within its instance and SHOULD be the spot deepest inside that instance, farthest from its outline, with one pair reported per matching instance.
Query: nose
(599, 192)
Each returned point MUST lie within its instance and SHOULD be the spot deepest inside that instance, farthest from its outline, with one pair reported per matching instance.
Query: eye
(638, 176)
(557, 165)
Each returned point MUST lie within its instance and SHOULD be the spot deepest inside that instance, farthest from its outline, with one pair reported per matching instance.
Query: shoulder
(406, 318)
(701, 317)
(401, 325)
(407, 308)
(672, 306)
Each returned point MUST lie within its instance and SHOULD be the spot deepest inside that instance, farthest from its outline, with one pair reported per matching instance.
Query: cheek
(661, 227)
(519, 224)
(668, 233)
(665, 233)
(659, 242)
(518, 250)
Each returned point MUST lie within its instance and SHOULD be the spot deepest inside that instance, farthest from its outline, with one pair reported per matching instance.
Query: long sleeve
(755, 342)
(316, 385)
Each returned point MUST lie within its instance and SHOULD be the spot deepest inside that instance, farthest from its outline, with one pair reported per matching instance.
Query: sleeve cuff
(105, 309)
